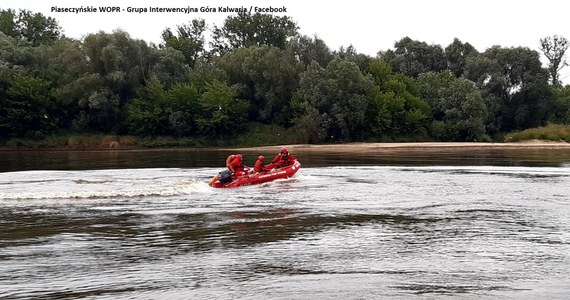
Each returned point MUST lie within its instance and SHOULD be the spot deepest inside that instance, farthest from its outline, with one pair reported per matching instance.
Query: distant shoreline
(332, 148)
(415, 146)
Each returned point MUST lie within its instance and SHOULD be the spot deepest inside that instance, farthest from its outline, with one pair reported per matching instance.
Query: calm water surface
(145, 225)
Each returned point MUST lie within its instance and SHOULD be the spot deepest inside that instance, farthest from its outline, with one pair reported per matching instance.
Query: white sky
(370, 26)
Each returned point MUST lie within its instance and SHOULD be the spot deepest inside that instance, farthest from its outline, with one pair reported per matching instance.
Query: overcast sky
(370, 26)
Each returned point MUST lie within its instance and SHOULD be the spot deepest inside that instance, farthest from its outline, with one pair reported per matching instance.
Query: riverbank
(547, 137)
(335, 148)
(419, 146)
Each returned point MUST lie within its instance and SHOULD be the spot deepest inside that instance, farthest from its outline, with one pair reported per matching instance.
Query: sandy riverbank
(422, 146)
(339, 147)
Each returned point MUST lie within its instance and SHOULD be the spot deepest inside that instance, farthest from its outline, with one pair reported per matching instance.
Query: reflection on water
(452, 157)
(84, 160)
(365, 229)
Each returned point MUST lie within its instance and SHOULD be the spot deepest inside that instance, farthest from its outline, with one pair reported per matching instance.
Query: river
(145, 225)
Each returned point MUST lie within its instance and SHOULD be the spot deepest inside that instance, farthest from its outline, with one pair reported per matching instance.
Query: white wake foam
(99, 184)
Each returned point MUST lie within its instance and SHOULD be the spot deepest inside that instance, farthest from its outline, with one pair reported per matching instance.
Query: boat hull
(257, 178)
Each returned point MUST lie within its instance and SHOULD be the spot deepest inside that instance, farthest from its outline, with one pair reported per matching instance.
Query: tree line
(257, 68)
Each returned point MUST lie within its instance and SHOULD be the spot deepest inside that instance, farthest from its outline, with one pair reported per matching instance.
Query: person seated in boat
(260, 165)
(236, 166)
(229, 160)
(283, 159)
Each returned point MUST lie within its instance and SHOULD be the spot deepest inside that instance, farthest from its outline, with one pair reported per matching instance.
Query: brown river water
(145, 225)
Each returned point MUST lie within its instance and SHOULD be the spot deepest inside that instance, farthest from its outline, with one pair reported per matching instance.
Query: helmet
(239, 157)
(283, 150)
(261, 157)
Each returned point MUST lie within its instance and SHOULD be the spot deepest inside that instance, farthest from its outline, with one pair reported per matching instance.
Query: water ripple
(330, 233)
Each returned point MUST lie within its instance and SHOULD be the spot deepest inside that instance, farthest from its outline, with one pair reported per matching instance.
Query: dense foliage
(257, 69)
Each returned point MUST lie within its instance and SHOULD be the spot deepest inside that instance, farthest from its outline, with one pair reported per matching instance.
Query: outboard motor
(225, 176)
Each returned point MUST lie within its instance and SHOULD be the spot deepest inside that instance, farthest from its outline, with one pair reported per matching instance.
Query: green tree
(331, 103)
(395, 109)
(247, 30)
(65, 61)
(148, 114)
(184, 109)
(205, 108)
(27, 108)
(307, 50)
(5, 75)
(350, 53)
(34, 28)
(110, 69)
(37, 28)
(554, 48)
(265, 76)
(457, 106)
(413, 58)
(224, 115)
(8, 24)
(168, 65)
(514, 86)
(189, 40)
(562, 105)
(456, 55)
(20, 58)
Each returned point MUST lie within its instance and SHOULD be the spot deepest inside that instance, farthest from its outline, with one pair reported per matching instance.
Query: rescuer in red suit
(284, 158)
(236, 166)
(229, 160)
(260, 165)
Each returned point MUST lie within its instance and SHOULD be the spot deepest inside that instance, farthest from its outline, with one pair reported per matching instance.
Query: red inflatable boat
(256, 178)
